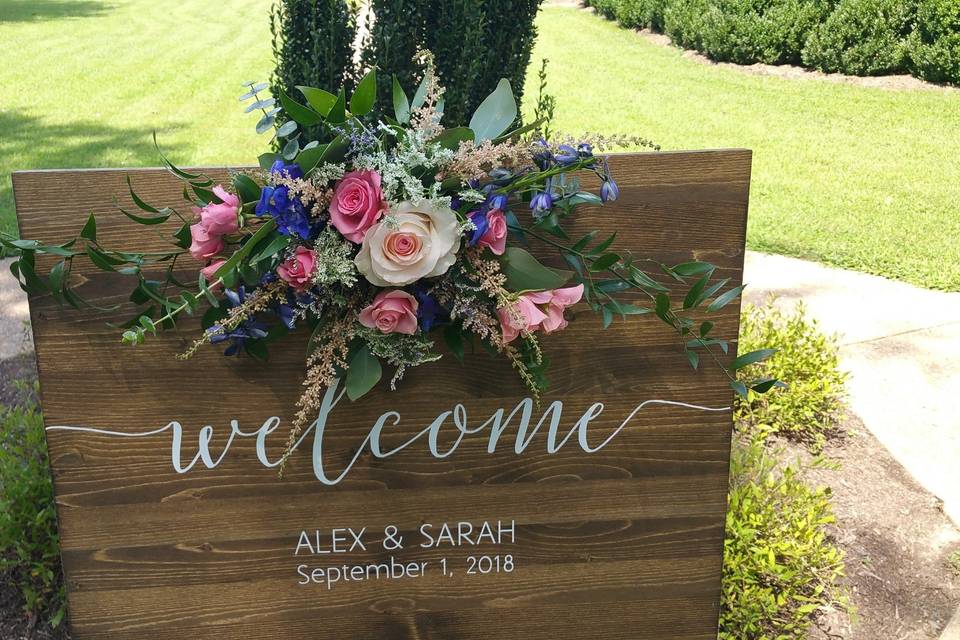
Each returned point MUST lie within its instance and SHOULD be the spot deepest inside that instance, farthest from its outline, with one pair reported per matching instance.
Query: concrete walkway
(14, 315)
(901, 345)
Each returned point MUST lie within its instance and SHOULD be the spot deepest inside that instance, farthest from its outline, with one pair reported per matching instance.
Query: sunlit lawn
(863, 178)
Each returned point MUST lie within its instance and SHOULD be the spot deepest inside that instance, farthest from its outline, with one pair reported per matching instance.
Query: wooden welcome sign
(599, 513)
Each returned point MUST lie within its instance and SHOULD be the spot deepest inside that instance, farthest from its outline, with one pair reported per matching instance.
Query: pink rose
(220, 219)
(209, 270)
(298, 270)
(357, 204)
(495, 237)
(525, 316)
(392, 311)
(560, 299)
(205, 245)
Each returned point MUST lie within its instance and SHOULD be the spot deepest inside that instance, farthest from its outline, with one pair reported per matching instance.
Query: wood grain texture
(622, 543)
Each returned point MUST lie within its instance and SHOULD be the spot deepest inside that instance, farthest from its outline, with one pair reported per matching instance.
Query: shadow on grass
(36, 10)
(29, 142)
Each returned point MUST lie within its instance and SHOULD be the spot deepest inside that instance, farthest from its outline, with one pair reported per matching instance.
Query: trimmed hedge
(862, 37)
(856, 37)
(934, 45)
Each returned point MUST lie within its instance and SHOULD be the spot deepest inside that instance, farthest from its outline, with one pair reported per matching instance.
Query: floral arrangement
(385, 234)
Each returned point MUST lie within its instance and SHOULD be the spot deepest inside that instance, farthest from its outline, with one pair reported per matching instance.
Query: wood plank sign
(453, 508)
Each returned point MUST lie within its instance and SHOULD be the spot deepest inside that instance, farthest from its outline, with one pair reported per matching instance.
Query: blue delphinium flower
(429, 312)
(479, 220)
(292, 170)
(566, 155)
(609, 191)
(497, 201)
(290, 214)
(246, 330)
(542, 201)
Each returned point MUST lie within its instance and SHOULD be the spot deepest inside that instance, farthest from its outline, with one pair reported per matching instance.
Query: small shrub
(862, 37)
(29, 542)
(640, 14)
(684, 22)
(780, 569)
(806, 360)
(771, 31)
(934, 45)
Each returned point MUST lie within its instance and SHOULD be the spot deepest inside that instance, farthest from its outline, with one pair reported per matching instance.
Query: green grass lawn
(862, 178)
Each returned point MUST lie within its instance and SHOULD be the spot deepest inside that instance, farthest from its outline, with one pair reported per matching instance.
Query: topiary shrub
(934, 46)
(862, 37)
(807, 360)
(780, 568)
(29, 542)
(312, 44)
(474, 42)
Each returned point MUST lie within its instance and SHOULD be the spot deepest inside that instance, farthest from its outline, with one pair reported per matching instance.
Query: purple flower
(290, 214)
(498, 201)
(247, 330)
(429, 311)
(609, 191)
(479, 219)
(566, 155)
(292, 170)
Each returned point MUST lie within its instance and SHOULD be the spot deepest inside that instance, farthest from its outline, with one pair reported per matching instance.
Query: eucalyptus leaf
(496, 113)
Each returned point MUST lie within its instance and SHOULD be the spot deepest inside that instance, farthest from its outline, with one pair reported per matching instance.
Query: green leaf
(420, 95)
(321, 101)
(693, 296)
(453, 335)
(451, 138)
(604, 262)
(725, 299)
(705, 328)
(288, 128)
(58, 277)
(693, 358)
(401, 106)
(99, 259)
(765, 384)
(693, 268)
(496, 113)
(298, 112)
(751, 358)
(365, 95)
(180, 173)
(143, 206)
(338, 114)
(291, 149)
(233, 261)
(526, 273)
(146, 220)
(246, 188)
(516, 133)
(265, 124)
(662, 306)
(739, 387)
(277, 244)
(89, 230)
(266, 160)
(363, 375)
(603, 246)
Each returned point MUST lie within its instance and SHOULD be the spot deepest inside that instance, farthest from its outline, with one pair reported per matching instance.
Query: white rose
(422, 243)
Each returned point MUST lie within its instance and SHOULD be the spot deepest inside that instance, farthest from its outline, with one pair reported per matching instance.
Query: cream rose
(422, 242)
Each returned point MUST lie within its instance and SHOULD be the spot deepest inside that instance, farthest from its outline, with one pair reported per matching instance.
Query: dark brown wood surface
(622, 543)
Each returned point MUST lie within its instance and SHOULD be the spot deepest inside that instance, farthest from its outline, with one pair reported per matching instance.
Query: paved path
(902, 347)
(14, 332)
